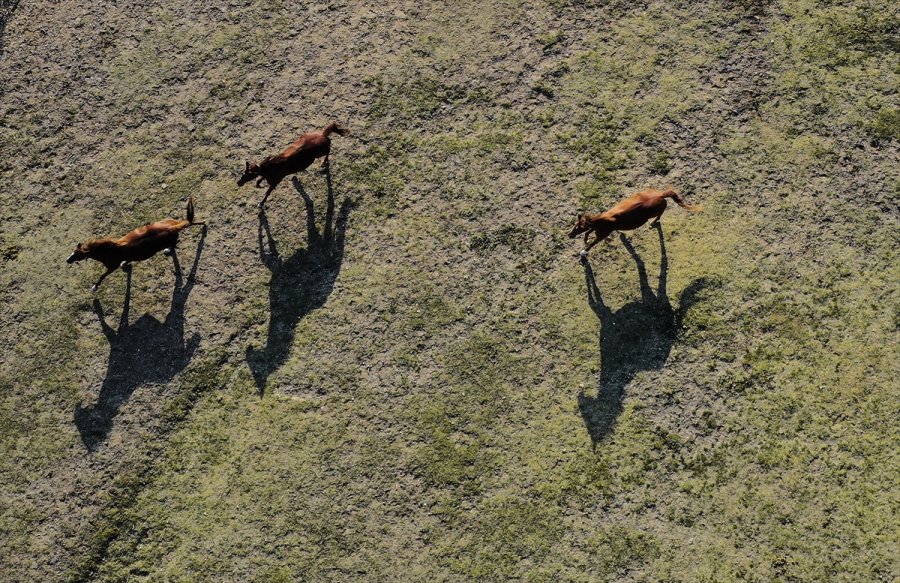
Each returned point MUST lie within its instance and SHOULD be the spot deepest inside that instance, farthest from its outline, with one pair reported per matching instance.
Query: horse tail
(674, 196)
(335, 127)
(190, 215)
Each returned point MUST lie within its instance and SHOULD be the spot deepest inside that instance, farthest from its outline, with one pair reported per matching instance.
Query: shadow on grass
(147, 351)
(301, 282)
(7, 7)
(636, 337)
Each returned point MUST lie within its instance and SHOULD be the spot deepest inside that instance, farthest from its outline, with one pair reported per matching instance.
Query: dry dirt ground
(400, 371)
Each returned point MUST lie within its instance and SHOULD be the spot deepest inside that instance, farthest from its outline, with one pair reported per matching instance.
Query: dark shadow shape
(7, 8)
(300, 283)
(636, 337)
(146, 351)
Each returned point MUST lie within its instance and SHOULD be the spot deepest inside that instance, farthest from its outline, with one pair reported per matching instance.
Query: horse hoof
(583, 254)
(94, 288)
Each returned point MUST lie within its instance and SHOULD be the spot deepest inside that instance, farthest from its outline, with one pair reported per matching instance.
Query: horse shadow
(145, 351)
(301, 282)
(7, 7)
(637, 337)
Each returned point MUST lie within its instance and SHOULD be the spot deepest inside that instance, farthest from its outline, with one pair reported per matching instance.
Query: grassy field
(401, 371)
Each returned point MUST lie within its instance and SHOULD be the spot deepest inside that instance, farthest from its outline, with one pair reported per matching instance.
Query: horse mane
(103, 243)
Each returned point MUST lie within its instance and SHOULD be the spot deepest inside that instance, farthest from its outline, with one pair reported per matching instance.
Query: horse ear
(246, 165)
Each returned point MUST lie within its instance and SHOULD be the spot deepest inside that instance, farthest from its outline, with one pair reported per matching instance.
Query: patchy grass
(426, 421)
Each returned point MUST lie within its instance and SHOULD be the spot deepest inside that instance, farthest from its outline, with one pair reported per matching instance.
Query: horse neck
(597, 221)
(102, 247)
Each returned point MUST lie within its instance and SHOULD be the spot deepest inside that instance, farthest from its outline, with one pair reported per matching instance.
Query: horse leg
(599, 236)
(324, 167)
(102, 277)
(589, 246)
(266, 196)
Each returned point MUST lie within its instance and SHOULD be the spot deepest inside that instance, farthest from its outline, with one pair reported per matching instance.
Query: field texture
(401, 371)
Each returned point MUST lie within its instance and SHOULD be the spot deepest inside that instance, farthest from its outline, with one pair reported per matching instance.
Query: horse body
(295, 158)
(140, 244)
(627, 215)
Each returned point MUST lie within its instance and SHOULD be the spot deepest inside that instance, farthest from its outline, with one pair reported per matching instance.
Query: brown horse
(141, 243)
(629, 214)
(297, 157)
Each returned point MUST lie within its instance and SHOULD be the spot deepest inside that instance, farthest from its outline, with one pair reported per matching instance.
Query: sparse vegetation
(426, 420)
